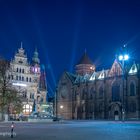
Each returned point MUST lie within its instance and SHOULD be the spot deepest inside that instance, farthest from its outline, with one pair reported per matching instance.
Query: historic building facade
(29, 80)
(106, 94)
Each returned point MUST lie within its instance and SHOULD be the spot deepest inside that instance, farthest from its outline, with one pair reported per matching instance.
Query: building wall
(28, 76)
(97, 99)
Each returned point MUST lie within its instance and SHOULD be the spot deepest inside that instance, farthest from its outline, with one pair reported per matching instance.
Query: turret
(85, 65)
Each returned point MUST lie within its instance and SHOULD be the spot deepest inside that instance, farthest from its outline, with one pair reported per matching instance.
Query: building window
(31, 95)
(30, 80)
(22, 78)
(27, 79)
(84, 94)
(22, 70)
(17, 69)
(16, 77)
(115, 92)
(25, 94)
(132, 89)
(27, 109)
(19, 78)
(101, 92)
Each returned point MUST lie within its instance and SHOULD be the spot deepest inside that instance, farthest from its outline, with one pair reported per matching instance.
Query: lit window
(27, 109)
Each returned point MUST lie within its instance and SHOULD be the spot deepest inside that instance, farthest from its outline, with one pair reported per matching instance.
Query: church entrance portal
(115, 112)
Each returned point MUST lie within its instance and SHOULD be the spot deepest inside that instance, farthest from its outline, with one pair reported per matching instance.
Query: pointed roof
(102, 75)
(85, 59)
(21, 51)
(71, 76)
(93, 77)
(134, 69)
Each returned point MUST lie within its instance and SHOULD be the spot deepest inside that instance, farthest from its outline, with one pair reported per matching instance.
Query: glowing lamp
(120, 57)
(61, 106)
(126, 57)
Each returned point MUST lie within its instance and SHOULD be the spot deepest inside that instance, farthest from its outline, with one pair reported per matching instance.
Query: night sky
(63, 29)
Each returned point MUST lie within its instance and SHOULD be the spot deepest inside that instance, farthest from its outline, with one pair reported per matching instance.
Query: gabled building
(106, 94)
(29, 80)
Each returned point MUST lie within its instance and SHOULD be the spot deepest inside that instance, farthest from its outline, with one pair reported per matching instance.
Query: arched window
(101, 92)
(115, 92)
(91, 93)
(84, 94)
(132, 89)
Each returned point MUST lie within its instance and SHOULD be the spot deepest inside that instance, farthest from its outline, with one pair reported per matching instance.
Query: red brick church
(107, 94)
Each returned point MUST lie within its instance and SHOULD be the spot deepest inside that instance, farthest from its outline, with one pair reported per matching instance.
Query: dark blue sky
(62, 29)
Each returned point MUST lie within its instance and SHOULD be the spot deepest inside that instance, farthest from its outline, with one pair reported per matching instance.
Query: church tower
(35, 63)
(85, 65)
(35, 58)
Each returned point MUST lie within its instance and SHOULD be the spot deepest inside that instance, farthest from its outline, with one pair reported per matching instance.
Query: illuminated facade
(99, 94)
(29, 80)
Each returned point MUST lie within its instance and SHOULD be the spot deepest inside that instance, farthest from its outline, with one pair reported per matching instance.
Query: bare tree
(8, 95)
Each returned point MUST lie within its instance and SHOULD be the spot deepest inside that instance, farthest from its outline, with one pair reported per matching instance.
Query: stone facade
(106, 94)
(29, 81)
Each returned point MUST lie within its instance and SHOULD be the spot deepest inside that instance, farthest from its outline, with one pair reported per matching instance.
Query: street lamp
(123, 57)
(61, 106)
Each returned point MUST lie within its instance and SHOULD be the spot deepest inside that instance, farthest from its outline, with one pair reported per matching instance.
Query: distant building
(91, 94)
(29, 81)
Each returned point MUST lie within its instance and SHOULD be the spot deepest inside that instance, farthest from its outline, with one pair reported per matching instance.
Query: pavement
(72, 130)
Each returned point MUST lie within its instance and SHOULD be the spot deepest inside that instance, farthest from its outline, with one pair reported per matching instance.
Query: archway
(115, 111)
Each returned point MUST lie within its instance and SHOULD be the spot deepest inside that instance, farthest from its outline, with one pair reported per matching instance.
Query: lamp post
(123, 57)
(56, 102)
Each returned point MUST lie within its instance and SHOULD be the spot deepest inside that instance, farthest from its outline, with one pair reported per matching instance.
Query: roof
(71, 76)
(85, 59)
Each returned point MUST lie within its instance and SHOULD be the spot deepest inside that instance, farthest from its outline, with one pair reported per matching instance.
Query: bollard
(12, 130)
